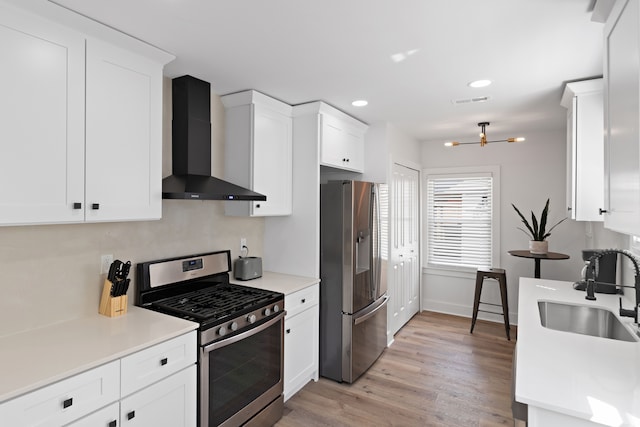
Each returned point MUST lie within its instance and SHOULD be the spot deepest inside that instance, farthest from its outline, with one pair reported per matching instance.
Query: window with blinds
(460, 220)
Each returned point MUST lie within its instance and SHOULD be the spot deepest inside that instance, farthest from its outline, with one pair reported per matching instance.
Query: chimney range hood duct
(191, 139)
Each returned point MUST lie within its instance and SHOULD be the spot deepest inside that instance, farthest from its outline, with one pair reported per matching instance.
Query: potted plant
(537, 230)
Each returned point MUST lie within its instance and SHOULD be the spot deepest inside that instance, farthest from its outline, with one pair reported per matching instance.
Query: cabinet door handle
(113, 423)
(288, 331)
(95, 206)
(77, 205)
(602, 211)
(68, 402)
(131, 414)
(163, 361)
(569, 208)
(303, 300)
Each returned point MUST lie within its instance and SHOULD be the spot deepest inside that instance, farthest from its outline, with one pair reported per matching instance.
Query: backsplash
(51, 273)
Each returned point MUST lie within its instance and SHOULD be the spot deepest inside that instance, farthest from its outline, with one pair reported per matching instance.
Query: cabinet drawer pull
(131, 414)
(68, 402)
(95, 206)
(258, 205)
(163, 361)
(602, 211)
(77, 205)
(303, 300)
(113, 423)
(288, 331)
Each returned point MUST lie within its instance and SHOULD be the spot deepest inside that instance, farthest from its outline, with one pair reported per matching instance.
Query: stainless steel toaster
(247, 268)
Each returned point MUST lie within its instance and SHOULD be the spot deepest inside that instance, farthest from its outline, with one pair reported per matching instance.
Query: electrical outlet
(105, 263)
(243, 243)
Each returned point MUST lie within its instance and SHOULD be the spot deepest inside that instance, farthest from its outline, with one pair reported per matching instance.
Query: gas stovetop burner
(216, 302)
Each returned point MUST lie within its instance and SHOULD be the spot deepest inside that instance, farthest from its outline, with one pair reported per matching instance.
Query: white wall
(50, 273)
(384, 145)
(531, 172)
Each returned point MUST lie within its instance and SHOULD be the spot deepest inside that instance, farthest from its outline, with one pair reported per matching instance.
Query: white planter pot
(536, 247)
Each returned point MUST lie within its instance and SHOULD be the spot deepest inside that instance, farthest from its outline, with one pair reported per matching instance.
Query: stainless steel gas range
(240, 338)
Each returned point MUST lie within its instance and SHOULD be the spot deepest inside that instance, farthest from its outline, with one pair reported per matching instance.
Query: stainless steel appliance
(240, 338)
(353, 299)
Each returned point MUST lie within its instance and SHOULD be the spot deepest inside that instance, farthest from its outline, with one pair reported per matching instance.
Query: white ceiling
(341, 50)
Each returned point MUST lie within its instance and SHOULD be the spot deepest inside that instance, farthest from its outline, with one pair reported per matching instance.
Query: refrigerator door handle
(364, 317)
(376, 243)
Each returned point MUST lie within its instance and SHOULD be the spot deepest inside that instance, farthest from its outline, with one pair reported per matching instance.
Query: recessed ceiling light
(359, 103)
(479, 83)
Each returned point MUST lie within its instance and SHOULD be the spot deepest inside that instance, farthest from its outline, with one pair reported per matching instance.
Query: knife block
(112, 306)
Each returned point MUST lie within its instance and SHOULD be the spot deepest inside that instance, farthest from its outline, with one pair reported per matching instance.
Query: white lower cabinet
(170, 402)
(65, 401)
(105, 417)
(301, 339)
(154, 387)
(167, 403)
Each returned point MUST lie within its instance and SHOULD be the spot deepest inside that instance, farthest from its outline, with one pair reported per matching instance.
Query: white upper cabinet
(123, 135)
(622, 120)
(42, 120)
(341, 142)
(81, 120)
(340, 136)
(585, 149)
(258, 152)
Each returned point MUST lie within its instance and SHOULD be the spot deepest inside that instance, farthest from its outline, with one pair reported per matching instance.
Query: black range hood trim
(198, 187)
(191, 148)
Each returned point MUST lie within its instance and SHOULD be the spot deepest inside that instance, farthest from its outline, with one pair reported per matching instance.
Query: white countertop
(277, 282)
(32, 359)
(592, 378)
(35, 358)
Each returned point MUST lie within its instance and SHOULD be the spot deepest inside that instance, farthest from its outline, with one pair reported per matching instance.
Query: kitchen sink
(582, 319)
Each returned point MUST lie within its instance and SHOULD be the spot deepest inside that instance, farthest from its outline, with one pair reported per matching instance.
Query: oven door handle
(236, 338)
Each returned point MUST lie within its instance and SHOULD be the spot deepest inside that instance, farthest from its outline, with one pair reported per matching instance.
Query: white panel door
(41, 121)
(404, 286)
(170, 402)
(622, 125)
(272, 162)
(123, 135)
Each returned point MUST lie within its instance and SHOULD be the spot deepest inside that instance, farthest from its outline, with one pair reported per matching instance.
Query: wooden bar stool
(495, 274)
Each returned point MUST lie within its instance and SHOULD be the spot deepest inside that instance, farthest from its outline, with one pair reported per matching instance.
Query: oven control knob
(267, 311)
(276, 308)
(222, 331)
(251, 318)
(233, 326)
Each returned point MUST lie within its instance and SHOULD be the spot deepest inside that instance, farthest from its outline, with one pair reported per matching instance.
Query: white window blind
(459, 220)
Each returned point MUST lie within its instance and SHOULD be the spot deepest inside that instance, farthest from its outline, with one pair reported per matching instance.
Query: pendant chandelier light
(483, 138)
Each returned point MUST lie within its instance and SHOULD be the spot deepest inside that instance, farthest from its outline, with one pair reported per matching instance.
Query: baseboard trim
(465, 311)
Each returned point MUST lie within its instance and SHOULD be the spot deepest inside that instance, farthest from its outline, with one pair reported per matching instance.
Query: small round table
(537, 257)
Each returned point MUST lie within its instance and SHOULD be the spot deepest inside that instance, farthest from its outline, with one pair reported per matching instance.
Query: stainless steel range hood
(191, 136)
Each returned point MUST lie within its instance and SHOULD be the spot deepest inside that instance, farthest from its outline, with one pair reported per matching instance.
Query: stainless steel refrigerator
(353, 298)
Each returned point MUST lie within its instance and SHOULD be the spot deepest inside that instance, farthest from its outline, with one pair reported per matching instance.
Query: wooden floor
(434, 374)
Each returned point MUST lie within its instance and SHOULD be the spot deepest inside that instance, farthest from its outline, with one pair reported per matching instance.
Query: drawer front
(65, 401)
(105, 417)
(155, 363)
(170, 402)
(301, 300)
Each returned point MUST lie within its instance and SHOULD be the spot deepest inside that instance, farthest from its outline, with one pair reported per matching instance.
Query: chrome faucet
(591, 284)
